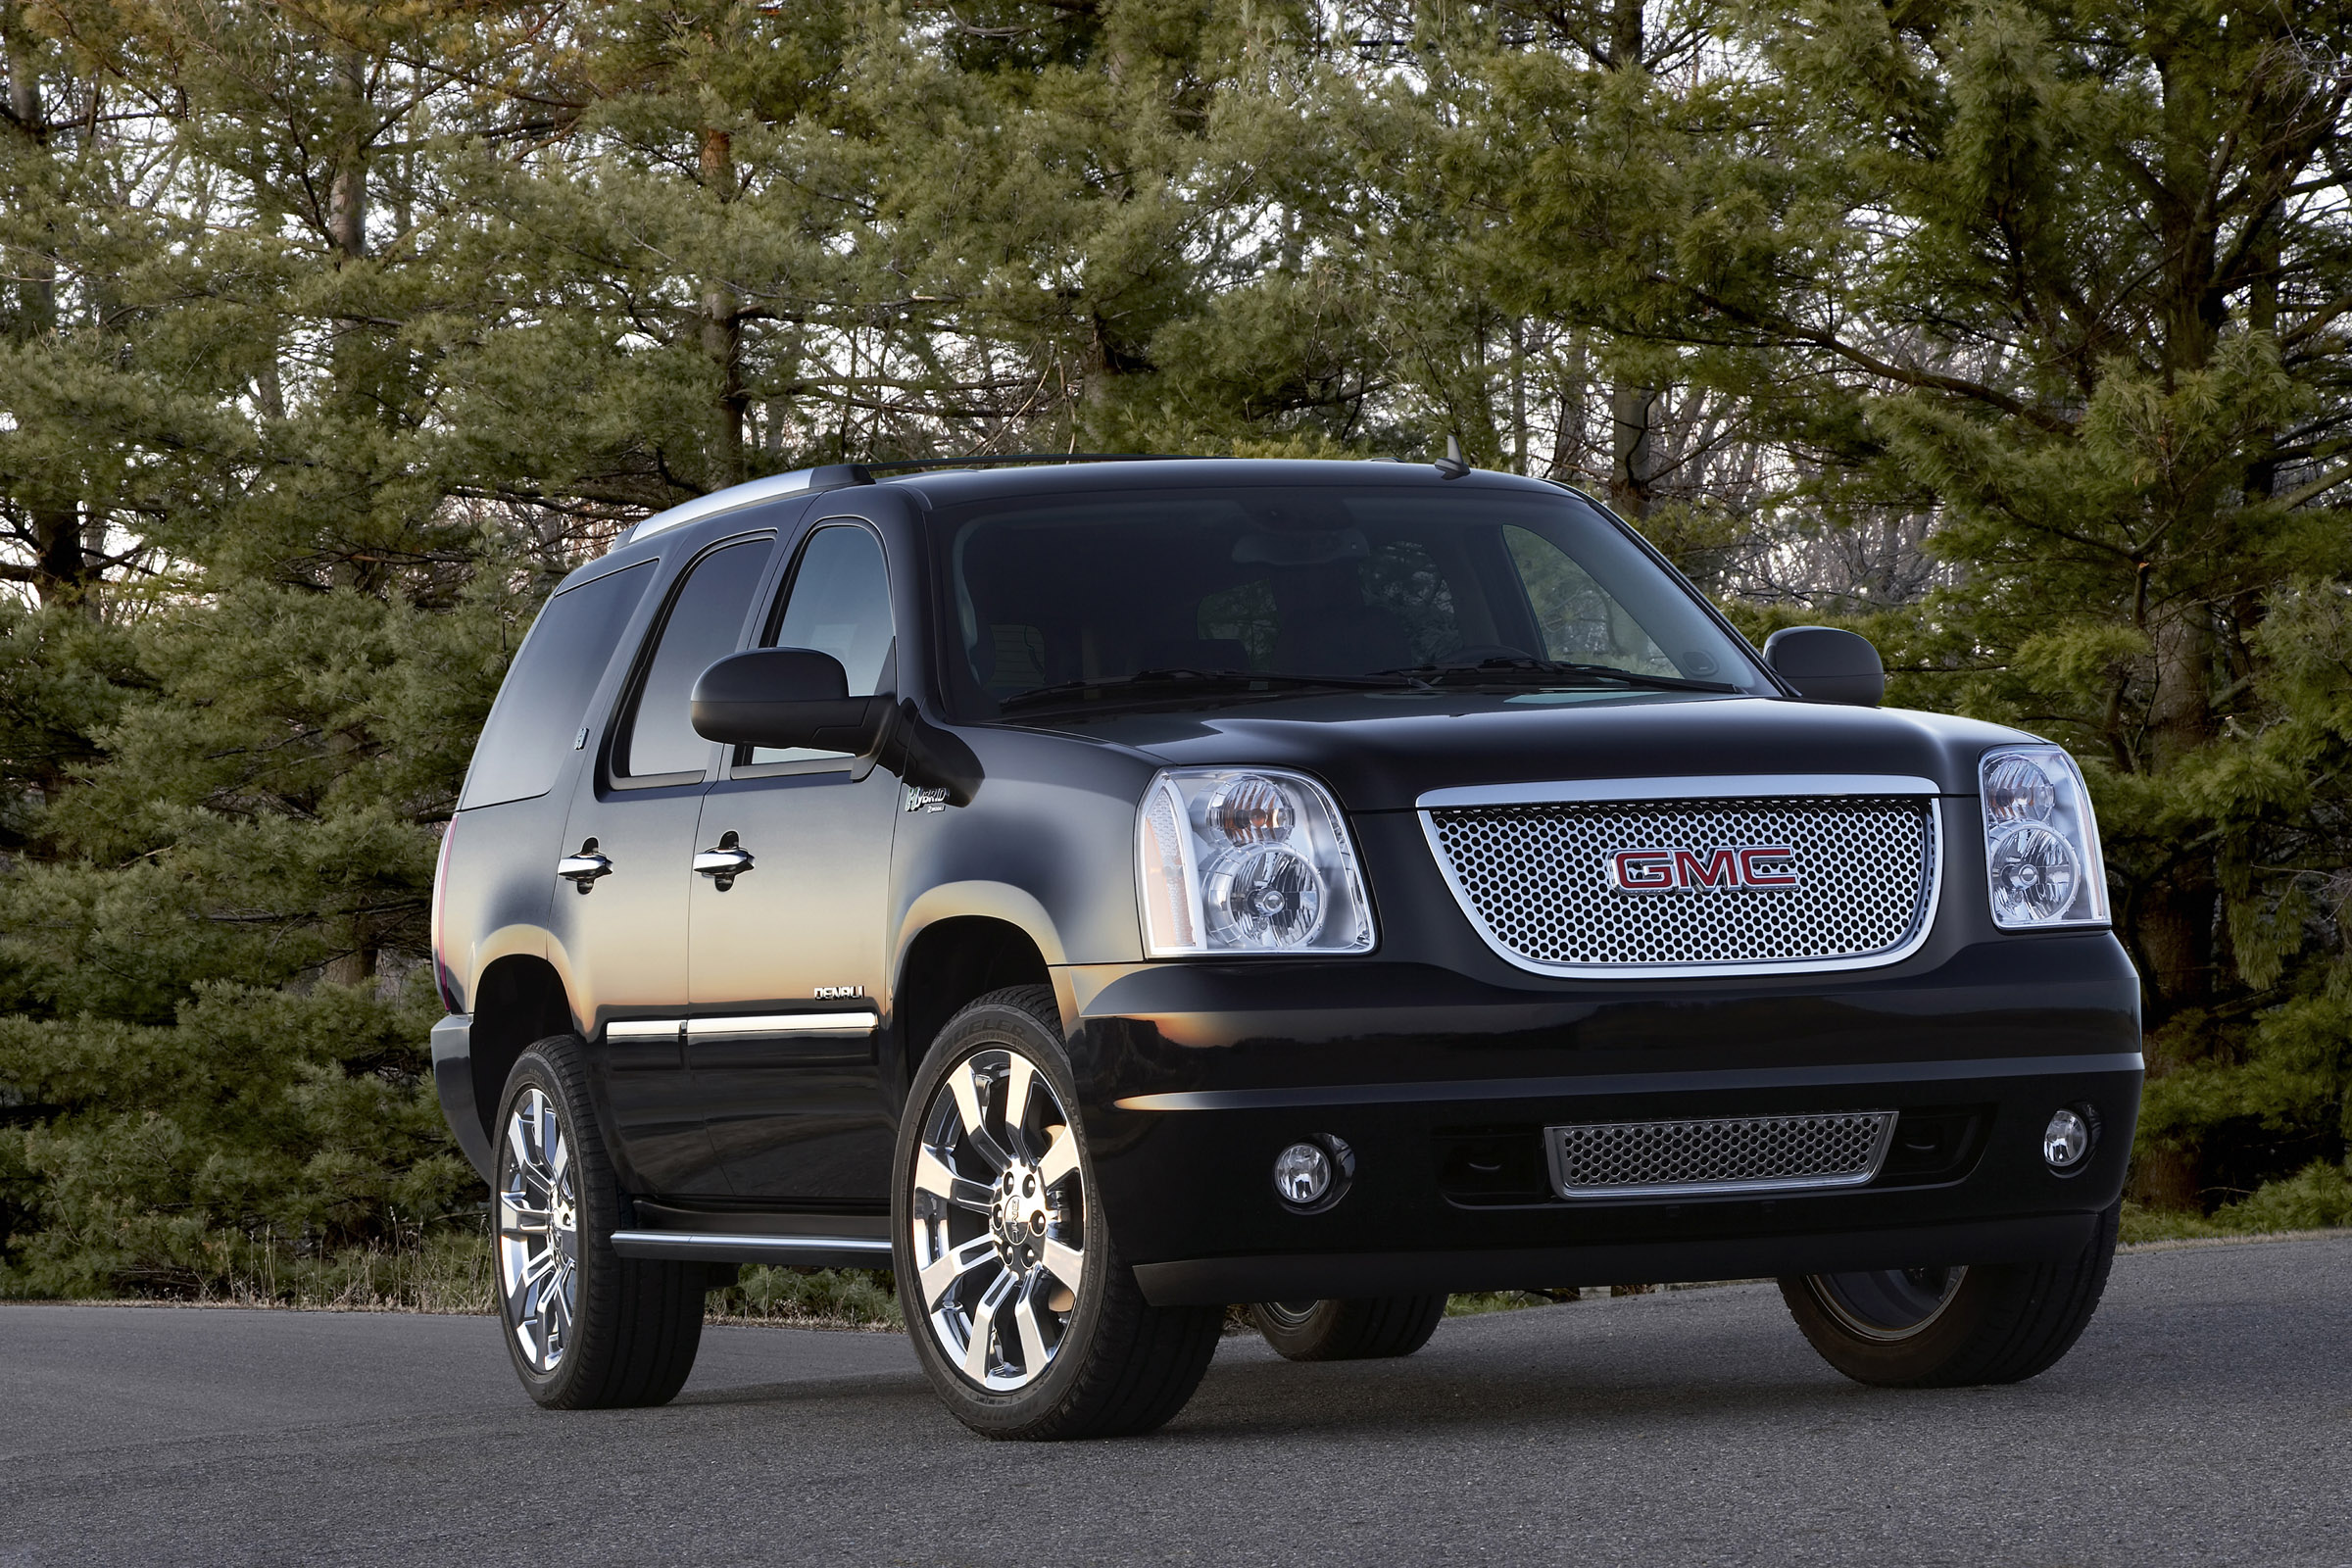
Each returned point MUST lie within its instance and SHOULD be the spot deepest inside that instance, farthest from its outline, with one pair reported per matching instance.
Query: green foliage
(826, 1298)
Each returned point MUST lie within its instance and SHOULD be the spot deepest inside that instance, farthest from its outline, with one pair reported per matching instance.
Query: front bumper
(1194, 1076)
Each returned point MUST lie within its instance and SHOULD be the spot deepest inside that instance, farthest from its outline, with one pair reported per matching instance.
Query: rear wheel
(1946, 1327)
(1026, 1318)
(1362, 1330)
(586, 1328)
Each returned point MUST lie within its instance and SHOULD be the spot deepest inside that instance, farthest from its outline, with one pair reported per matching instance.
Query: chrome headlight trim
(2068, 817)
(1179, 862)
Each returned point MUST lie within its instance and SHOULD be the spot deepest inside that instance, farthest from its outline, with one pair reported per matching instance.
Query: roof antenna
(1451, 466)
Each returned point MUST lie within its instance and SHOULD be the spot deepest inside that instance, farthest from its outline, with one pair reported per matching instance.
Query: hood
(1381, 751)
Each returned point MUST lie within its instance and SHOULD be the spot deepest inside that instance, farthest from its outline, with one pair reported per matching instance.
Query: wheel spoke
(966, 1083)
(535, 1270)
(1060, 1159)
(1033, 1340)
(515, 1220)
(526, 1161)
(1019, 1076)
(1064, 1262)
(931, 1175)
(940, 1277)
(560, 1164)
(558, 1311)
(984, 1317)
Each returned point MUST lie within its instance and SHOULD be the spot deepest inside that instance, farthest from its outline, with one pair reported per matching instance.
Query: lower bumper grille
(1721, 1155)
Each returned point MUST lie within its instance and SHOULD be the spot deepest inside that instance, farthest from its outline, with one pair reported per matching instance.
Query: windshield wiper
(1179, 681)
(1550, 671)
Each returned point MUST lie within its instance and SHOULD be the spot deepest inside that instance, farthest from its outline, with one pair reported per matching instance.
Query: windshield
(1142, 594)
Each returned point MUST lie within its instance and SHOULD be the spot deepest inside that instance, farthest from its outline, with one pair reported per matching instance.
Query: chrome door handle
(723, 862)
(582, 869)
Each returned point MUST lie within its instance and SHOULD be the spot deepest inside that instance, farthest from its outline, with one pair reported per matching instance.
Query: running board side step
(807, 1251)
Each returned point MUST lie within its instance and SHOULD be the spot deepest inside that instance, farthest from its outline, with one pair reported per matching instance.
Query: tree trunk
(1632, 464)
(63, 562)
(723, 329)
(346, 190)
(1633, 409)
(2176, 925)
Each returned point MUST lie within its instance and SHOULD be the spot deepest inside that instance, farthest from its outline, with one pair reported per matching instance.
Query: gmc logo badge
(1679, 870)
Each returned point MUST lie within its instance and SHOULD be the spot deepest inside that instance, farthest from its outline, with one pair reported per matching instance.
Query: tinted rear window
(539, 708)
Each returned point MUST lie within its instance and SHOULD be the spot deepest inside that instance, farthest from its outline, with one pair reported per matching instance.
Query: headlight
(2041, 845)
(1247, 861)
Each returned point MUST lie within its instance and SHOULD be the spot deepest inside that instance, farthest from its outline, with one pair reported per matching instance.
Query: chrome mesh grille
(1534, 878)
(1641, 1159)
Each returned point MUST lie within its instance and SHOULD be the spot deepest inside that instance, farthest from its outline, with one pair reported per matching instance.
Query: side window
(533, 724)
(705, 618)
(836, 603)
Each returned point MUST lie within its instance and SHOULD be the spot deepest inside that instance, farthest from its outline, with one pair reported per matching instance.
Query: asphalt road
(2206, 1417)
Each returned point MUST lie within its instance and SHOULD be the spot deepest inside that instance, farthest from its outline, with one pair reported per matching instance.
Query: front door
(629, 845)
(788, 949)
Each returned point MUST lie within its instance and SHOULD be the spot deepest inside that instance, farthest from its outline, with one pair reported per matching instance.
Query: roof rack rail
(1000, 460)
(799, 482)
(836, 475)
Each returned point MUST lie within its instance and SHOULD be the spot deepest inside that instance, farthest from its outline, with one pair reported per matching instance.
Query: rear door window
(536, 723)
(703, 626)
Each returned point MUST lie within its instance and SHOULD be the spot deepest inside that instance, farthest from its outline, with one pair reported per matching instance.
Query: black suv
(1104, 893)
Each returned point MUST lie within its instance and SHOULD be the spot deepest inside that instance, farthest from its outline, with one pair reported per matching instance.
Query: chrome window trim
(1761, 787)
(1709, 787)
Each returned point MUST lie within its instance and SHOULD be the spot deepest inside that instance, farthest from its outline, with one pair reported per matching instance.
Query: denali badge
(838, 993)
(1680, 870)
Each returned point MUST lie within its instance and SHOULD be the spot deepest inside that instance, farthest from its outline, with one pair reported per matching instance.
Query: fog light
(2066, 1142)
(1302, 1175)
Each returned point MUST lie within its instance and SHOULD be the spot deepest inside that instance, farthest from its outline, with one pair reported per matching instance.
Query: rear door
(789, 954)
(629, 843)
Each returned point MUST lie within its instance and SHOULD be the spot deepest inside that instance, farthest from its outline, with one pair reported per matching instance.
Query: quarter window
(535, 722)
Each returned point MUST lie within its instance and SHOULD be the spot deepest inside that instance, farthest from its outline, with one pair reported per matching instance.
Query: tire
(1001, 1216)
(1947, 1328)
(590, 1330)
(1365, 1330)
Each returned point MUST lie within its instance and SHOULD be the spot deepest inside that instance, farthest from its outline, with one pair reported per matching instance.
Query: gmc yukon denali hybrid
(1102, 893)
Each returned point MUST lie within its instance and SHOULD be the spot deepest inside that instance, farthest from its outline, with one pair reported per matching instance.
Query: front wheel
(1940, 1328)
(1026, 1318)
(1363, 1330)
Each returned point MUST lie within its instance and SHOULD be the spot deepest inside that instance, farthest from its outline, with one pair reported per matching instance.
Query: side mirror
(786, 697)
(1826, 666)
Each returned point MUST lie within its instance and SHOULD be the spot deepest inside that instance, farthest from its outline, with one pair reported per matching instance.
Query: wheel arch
(947, 961)
(517, 999)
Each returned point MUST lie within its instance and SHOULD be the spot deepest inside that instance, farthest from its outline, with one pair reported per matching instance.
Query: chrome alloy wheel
(538, 1232)
(999, 1213)
(1887, 1306)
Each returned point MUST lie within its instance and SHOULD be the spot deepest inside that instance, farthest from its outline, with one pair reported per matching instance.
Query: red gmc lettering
(1680, 870)
(1718, 870)
(1643, 870)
